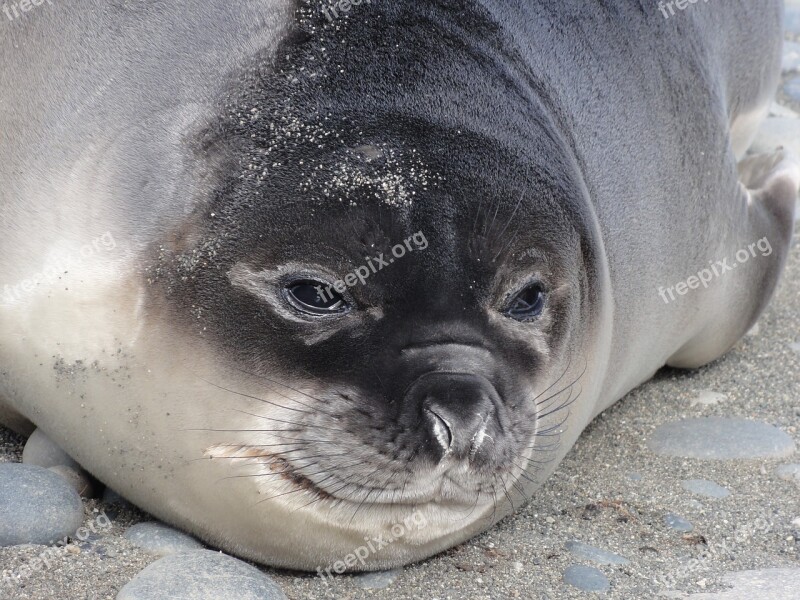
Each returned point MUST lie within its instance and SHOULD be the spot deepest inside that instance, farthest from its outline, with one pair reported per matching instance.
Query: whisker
(219, 387)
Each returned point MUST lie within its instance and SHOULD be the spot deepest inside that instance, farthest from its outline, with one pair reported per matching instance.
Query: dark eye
(528, 304)
(315, 298)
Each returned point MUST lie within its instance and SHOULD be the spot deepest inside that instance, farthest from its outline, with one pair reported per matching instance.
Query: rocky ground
(688, 488)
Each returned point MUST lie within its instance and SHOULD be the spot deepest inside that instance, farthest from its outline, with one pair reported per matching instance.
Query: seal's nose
(458, 413)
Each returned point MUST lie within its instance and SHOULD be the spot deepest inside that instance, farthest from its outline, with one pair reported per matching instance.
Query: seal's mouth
(444, 487)
(274, 465)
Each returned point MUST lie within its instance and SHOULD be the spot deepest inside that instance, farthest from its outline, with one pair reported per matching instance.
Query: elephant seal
(341, 285)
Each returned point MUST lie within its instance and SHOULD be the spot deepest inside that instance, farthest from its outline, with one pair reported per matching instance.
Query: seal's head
(399, 307)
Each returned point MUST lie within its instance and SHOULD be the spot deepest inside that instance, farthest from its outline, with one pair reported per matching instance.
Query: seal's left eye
(527, 304)
(315, 298)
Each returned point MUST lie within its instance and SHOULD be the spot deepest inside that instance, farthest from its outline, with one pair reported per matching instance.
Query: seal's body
(291, 277)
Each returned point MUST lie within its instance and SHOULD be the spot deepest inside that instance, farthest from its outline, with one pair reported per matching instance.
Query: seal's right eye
(315, 298)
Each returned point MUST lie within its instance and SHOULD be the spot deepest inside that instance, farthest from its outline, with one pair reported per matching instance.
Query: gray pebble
(378, 580)
(37, 506)
(709, 398)
(41, 451)
(765, 584)
(586, 578)
(587, 552)
(792, 88)
(678, 523)
(634, 476)
(79, 480)
(789, 472)
(201, 575)
(720, 438)
(704, 487)
(159, 539)
(795, 346)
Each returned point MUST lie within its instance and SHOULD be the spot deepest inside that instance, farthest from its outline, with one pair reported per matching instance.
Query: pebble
(795, 346)
(708, 398)
(789, 472)
(633, 476)
(791, 57)
(587, 552)
(79, 480)
(586, 578)
(41, 451)
(201, 575)
(704, 487)
(778, 132)
(159, 539)
(378, 580)
(678, 523)
(792, 88)
(37, 506)
(764, 584)
(720, 438)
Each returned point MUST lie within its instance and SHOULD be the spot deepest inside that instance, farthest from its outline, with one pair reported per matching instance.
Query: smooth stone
(201, 575)
(678, 523)
(704, 487)
(79, 480)
(695, 504)
(159, 539)
(378, 580)
(776, 132)
(709, 398)
(587, 552)
(37, 506)
(764, 584)
(795, 346)
(789, 473)
(635, 476)
(586, 578)
(720, 438)
(41, 451)
(791, 57)
(792, 88)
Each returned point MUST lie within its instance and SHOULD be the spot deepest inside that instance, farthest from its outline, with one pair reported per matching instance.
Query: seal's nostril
(442, 430)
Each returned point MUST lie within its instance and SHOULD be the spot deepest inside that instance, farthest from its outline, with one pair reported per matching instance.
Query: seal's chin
(450, 485)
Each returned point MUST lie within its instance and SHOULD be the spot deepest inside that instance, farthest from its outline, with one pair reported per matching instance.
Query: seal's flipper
(752, 257)
(772, 181)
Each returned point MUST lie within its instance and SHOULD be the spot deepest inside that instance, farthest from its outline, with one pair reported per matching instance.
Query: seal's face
(399, 333)
(396, 288)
